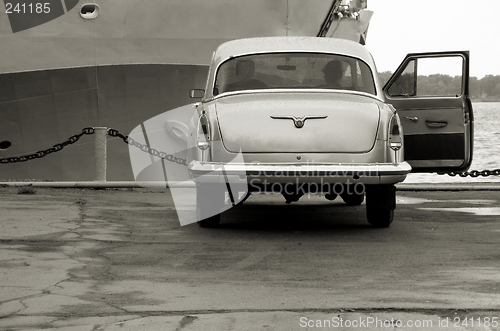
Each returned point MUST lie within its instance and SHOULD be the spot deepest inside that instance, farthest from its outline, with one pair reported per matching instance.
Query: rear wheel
(353, 199)
(380, 217)
(209, 203)
(210, 222)
(380, 205)
(331, 196)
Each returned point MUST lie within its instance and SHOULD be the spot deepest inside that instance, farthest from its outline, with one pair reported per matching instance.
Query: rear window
(294, 70)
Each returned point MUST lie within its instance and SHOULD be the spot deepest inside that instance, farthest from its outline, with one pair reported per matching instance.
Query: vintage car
(298, 115)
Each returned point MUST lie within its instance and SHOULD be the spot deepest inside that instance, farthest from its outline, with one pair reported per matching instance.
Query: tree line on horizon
(486, 88)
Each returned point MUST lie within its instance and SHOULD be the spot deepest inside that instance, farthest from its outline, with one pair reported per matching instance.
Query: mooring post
(101, 134)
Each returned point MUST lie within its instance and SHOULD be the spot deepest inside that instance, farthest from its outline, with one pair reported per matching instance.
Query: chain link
(128, 140)
(473, 173)
(116, 133)
(56, 148)
(90, 130)
(172, 158)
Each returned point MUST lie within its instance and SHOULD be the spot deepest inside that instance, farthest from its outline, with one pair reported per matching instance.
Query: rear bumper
(320, 173)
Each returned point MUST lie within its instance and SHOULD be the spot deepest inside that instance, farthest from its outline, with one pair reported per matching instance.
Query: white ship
(68, 64)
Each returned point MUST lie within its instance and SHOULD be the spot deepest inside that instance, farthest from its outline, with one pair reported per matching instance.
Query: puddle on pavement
(416, 201)
(481, 211)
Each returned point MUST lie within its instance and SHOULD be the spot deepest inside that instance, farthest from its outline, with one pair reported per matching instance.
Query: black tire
(380, 204)
(380, 217)
(331, 196)
(353, 199)
(210, 222)
(209, 200)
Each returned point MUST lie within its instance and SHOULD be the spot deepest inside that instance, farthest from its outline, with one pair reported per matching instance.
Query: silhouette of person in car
(333, 74)
(245, 69)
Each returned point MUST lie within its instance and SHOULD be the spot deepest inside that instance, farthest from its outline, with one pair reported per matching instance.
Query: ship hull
(43, 108)
(135, 60)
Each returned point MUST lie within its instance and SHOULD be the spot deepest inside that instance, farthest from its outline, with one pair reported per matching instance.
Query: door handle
(203, 145)
(436, 124)
(413, 119)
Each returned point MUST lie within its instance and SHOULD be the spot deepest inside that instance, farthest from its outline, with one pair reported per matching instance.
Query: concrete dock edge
(474, 186)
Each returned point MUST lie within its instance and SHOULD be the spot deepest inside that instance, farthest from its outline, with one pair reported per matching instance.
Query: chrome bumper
(373, 173)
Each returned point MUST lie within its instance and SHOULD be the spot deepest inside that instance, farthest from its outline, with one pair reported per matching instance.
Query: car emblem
(298, 121)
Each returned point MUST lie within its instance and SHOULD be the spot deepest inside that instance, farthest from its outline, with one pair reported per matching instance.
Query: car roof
(291, 44)
(247, 46)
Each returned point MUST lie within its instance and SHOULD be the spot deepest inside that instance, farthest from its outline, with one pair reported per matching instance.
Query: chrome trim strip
(301, 169)
(295, 90)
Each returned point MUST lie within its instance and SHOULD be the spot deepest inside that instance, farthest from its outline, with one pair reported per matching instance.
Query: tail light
(203, 132)
(395, 133)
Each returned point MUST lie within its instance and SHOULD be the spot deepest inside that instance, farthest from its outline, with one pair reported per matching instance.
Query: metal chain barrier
(173, 158)
(128, 140)
(473, 173)
(87, 131)
(55, 148)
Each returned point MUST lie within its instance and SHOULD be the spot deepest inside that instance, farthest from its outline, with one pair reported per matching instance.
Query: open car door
(431, 94)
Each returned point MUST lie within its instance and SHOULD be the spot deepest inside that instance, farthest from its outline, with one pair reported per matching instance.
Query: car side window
(429, 77)
(404, 84)
(440, 76)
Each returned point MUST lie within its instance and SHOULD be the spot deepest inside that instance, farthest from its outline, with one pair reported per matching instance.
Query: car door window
(433, 76)
(404, 85)
(439, 76)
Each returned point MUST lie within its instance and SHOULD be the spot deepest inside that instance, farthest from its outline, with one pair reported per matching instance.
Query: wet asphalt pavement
(117, 259)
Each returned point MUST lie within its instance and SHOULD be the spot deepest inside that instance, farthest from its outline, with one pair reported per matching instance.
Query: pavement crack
(50, 288)
(190, 315)
(20, 299)
(12, 312)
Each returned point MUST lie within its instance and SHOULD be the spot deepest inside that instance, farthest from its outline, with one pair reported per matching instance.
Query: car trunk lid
(311, 122)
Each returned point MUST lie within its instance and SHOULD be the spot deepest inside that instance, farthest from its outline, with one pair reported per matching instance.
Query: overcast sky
(399, 27)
